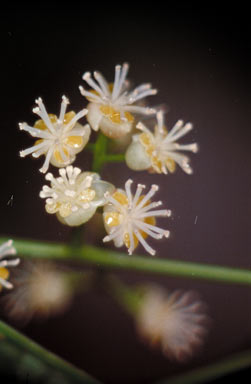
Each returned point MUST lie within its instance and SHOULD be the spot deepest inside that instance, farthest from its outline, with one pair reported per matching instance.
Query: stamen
(162, 212)
(102, 82)
(182, 132)
(153, 190)
(141, 110)
(45, 166)
(124, 72)
(41, 111)
(134, 98)
(35, 132)
(140, 88)
(92, 84)
(28, 151)
(148, 231)
(64, 104)
(160, 122)
(139, 190)
(187, 147)
(144, 243)
(176, 128)
(90, 95)
(73, 121)
(128, 191)
(5, 283)
(115, 90)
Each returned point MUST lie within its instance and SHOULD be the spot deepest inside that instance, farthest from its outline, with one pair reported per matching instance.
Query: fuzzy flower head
(42, 290)
(60, 138)
(112, 106)
(159, 151)
(74, 196)
(6, 249)
(176, 322)
(129, 219)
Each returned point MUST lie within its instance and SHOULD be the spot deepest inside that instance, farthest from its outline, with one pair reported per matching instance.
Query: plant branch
(107, 258)
(49, 358)
(213, 371)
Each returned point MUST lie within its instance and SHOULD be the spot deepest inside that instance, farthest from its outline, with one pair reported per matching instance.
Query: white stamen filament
(102, 82)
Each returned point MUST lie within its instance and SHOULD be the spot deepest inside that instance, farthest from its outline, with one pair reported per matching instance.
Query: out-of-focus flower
(6, 249)
(130, 219)
(41, 290)
(159, 151)
(60, 138)
(112, 106)
(75, 195)
(177, 322)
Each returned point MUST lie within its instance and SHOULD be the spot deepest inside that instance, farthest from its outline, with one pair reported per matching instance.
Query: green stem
(213, 371)
(99, 153)
(127, 297)
(49, 358)
(115, 158)
(107, 258)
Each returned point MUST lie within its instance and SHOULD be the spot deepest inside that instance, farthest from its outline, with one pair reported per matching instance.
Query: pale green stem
(107, 258)
(101, 155)
(129, 298)
(213, 371)
(50, 359)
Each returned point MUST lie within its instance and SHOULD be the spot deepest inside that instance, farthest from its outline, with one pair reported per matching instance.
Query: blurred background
(199, 60)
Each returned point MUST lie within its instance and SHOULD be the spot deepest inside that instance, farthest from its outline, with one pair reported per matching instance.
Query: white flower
(111, 105)
(6, 249)
(176, 321)
(74, 196)
(159, 151)
(41, 290)
(130, 219)
(60, 138)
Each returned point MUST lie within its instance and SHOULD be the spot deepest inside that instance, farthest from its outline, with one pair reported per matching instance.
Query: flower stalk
(106, 258)
(234, 363)
(74, 374)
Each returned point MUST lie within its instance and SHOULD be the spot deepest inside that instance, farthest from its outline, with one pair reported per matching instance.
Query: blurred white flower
(6, 249)
(159, 151)
(177, 322)
(75, 195)
(60, 138)
(112, 106)
(130, 219)
(41, 290)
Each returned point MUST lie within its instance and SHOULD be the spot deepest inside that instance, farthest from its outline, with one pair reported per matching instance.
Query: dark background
(199, 59)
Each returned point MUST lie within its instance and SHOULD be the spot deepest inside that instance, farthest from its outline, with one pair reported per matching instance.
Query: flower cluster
(113, 108)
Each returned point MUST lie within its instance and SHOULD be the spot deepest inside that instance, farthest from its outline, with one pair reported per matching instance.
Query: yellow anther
(120, 197)
(40, 124)
(112, 219)
(58, 156)
(65, 209)
(4, 273)
(127, 241)
(68, 117)
(87, 195)
(74, 141)
(52, 208)
(171, 165)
